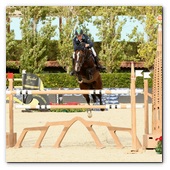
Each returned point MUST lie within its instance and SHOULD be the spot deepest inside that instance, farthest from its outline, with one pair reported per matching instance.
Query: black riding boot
(72, 71)
(99, 66)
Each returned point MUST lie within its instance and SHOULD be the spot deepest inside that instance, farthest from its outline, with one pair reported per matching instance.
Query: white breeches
(74, 55)
(94, 53)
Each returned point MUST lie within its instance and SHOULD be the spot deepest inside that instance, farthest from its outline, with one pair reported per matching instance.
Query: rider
(80, 37)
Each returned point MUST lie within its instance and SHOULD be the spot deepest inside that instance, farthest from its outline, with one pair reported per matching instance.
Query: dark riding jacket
(85, 39)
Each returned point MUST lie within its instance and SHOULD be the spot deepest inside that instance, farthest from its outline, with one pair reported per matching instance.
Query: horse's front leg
(90, 73)
(89, 111)
(80, 80)
(90, 77)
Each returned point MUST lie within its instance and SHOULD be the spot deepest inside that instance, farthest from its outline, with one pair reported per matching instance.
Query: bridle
(83, 58)
(77, 61)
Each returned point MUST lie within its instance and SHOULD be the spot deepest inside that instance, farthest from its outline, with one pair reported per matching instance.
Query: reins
(84, 59)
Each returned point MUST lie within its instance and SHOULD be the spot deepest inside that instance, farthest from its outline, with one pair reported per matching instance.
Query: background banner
(108, 98)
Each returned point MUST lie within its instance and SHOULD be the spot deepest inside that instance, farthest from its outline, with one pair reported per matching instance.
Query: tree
(72, 17)
(109, 26)
(147, 50)
(10, 36)
(66, 34)
(35, 44)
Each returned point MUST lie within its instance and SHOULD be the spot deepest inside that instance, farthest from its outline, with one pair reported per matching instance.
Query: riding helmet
(79, 32)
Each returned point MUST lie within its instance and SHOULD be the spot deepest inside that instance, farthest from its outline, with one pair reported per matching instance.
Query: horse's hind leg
(94, 98)
(87, 98)
(98, 85)
(100, 98)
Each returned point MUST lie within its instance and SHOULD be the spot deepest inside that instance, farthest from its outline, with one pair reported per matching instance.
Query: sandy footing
(78, 145)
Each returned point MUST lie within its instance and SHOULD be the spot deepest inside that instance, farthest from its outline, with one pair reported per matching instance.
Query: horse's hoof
(89, 113)
(80, 81)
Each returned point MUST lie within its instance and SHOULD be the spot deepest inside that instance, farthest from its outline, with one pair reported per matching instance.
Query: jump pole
(133, 110)
(146, 116)
(20, 92)
(77, 106)
(11, 137)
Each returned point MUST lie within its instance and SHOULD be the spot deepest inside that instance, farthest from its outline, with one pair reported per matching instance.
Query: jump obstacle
(149, 138)
(156, 112)
(88, 124)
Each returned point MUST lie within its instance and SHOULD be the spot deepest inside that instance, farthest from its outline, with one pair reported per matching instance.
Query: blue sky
(127, 28)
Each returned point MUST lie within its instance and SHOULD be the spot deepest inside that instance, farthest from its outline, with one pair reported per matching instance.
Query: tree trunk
(35, 26)
(67, 69)
(8, 29)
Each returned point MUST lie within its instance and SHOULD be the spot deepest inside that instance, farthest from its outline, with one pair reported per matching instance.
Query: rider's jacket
(85, 39)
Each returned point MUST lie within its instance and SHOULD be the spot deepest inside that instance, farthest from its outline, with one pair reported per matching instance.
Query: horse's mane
(86, 51)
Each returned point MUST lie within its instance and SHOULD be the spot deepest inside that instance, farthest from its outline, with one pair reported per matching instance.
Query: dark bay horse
(88, 76)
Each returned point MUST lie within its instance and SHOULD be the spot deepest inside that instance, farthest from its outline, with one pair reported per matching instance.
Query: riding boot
(99, 66)
(72, 71)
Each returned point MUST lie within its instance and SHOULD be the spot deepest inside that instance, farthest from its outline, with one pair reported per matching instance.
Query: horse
(88, 75)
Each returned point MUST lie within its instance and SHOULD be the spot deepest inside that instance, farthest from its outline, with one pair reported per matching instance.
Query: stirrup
(100, 68)
(72, 73)
(103, 68)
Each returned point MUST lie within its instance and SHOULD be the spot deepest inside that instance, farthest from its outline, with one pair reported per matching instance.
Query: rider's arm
(89, 42)
(76, 46)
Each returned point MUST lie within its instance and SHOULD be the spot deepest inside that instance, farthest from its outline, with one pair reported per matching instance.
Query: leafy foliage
(72, 17)
(158, 148)
(109, 26)
(12, 65)
(10, 35)
(68, 110)
(147, 49)
(35, 44)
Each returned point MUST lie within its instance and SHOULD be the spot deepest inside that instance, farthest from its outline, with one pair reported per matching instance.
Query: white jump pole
(77, 106)
(133, 110)
(20, 92)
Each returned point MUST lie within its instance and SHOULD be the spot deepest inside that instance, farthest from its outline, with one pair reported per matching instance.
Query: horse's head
(80, 57)
(79, 60)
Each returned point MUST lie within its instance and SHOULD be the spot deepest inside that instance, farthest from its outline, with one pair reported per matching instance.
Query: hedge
(110, 80)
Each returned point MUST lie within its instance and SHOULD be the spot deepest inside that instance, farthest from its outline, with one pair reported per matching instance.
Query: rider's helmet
(78, 32)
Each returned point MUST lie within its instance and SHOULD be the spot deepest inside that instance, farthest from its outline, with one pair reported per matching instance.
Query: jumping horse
(88, 75)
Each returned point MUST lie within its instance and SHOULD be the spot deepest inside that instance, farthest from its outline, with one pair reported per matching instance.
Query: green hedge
(110, 80)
